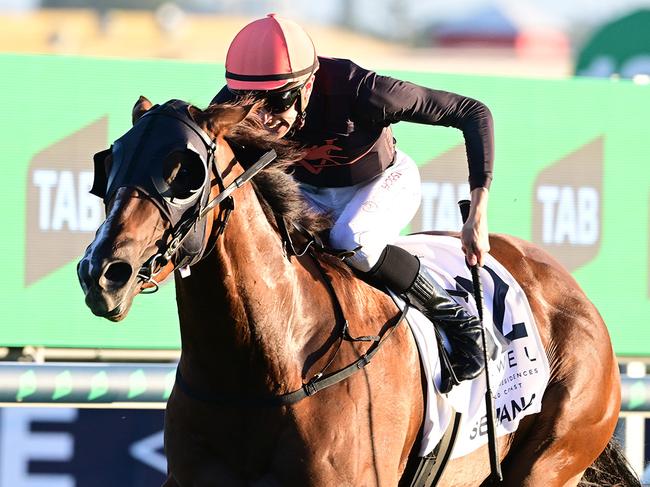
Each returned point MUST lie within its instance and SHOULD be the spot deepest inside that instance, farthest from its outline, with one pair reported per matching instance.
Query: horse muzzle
(106, 285)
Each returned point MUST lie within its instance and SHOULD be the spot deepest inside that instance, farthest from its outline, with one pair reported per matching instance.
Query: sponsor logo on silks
(444, 183)
(505, 412)
(61, 216)
(320, 157)
(567, 207)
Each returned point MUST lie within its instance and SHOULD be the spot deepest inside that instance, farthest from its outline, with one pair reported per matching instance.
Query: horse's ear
(217, 120)
(140, 108)
(233, 116)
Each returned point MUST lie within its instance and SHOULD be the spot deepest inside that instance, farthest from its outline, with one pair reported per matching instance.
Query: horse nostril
(117, 274)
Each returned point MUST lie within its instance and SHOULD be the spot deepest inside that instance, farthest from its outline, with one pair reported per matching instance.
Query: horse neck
(244, 311)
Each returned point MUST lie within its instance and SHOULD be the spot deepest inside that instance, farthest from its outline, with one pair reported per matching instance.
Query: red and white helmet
(270, 54)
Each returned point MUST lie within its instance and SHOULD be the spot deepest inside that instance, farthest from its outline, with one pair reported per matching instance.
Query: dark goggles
(275, 101)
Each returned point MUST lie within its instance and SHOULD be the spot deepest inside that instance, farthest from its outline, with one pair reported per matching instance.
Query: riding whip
(493, 446)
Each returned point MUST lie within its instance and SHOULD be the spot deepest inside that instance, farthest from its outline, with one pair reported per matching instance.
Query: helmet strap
(298, 123)
(302, 114)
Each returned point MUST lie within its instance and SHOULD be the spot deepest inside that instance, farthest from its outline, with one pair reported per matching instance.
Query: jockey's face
(280, 123)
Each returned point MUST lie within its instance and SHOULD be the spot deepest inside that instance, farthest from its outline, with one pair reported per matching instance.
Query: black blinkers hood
(138, 162)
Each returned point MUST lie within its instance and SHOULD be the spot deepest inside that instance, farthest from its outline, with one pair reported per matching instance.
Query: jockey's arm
(385, 100)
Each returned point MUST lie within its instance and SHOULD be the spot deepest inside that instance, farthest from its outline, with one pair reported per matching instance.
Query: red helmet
(270, 54)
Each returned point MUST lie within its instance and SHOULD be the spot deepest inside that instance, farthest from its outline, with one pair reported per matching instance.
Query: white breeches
(370, 215)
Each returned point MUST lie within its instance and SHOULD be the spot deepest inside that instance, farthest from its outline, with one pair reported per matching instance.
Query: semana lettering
(510, 411)
(506, 412)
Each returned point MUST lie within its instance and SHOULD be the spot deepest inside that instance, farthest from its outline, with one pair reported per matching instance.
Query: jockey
(342, 114)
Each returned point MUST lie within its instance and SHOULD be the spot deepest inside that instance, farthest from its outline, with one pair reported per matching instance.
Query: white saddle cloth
(519, 374)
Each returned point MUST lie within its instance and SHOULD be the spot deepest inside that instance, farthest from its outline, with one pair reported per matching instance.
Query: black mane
(278, 192)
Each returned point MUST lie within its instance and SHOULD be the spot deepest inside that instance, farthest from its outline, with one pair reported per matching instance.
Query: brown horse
(258, 321)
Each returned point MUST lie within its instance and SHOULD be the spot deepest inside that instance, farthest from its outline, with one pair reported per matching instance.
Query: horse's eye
(184, 173)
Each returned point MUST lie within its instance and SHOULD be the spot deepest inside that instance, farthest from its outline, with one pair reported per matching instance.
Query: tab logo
(444, 183)
(567, 206)
(61, 216)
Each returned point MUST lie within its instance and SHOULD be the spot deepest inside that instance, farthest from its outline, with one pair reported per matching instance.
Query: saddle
(519, 374)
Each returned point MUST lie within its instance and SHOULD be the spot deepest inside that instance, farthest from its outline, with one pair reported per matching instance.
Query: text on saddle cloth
(520, 373)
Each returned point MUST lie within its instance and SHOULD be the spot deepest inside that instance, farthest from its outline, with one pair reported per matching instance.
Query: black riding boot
(461, 328)
(400, 272)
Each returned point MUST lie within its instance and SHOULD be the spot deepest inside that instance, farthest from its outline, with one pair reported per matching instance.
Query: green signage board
(571, 174)
(620, 47)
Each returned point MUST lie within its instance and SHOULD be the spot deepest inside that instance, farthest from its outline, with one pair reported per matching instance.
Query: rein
(319, 381)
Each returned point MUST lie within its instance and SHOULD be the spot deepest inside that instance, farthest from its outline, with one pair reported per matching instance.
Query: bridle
(139, 161)
(148, 270)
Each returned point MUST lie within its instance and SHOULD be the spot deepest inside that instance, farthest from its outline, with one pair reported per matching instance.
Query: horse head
(156, 181)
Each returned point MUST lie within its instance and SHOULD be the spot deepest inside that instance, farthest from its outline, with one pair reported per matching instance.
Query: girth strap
(316, 384)
(432, 466)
